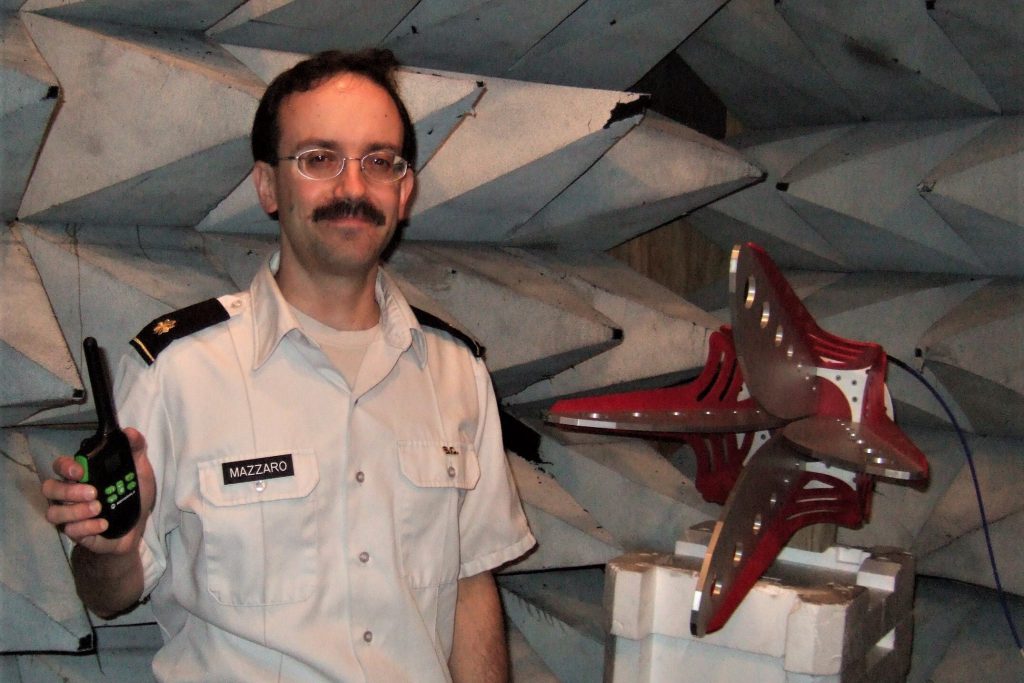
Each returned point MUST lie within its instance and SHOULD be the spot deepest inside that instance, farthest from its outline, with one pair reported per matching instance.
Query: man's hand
(107, 571)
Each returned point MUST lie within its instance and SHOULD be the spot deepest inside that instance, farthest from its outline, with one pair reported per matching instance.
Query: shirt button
(236, 303)
(360, 477)
(364, 557)
(261, 485)
(368, 636)
(451, 471)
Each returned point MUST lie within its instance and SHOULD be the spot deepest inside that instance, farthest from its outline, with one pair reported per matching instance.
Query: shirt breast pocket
(436, 474)
(260, 527)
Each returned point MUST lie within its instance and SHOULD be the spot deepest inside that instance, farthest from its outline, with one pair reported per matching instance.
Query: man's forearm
(109, 583)
(479, 649)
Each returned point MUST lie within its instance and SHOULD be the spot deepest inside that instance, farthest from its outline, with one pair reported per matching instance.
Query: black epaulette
(158, 335)
(431, 320)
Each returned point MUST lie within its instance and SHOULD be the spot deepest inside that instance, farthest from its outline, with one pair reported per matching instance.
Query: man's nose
(351, 182)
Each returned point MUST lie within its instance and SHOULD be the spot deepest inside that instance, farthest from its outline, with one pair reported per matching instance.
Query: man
(323, 483)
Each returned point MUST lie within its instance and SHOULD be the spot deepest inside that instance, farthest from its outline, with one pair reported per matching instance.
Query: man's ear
(405, 194)
(264, 177)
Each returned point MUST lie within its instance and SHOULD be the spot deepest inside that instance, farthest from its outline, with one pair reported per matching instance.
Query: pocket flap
(436, 465)
(242, 479)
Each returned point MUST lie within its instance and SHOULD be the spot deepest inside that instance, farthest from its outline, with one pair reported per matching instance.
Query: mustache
(347, 208)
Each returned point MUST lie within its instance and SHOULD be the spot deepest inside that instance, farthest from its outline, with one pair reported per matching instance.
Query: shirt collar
(273, 318)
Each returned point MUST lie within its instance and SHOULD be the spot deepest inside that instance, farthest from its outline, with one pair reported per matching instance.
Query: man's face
(353, 116)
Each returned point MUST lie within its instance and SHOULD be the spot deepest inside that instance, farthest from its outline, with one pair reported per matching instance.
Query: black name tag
(274, 467)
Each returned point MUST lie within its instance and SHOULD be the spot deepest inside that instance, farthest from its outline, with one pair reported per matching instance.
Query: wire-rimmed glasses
(323, 164)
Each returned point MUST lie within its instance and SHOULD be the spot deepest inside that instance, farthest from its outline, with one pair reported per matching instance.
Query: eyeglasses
(324, 164)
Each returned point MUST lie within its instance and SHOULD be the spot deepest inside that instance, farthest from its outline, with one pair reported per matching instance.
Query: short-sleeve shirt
(305, 530)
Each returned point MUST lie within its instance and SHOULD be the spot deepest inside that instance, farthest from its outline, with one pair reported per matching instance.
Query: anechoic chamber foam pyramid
(759, 213)
(433, 34)
(40, 609)
(888, 76)
(979, 191)
(310, 25)
(975, 350)
(30, 96)
(951, 542)
(986, 33)
(152, 129)
(38, 369)
(955, 628)
(597, 44)
(762, 71)
(611, 43)
(805, 62)
(572, 537)
(657, 172)
(602, 472)
(560, 615)
(924, 196)
(884, 162)
(664, 338)
(523, 145)
(194, 15)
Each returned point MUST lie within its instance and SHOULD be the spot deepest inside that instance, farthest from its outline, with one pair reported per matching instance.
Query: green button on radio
(84, 462)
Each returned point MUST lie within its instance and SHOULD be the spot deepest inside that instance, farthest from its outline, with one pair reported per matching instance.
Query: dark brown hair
(377, 65)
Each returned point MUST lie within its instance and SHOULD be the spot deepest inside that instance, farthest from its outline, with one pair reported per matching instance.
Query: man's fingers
(136, 440)
(72, 512)
(68, 492)
(67, 468)
(85, 531)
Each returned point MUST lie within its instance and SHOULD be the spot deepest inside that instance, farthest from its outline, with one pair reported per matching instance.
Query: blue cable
(977, 492)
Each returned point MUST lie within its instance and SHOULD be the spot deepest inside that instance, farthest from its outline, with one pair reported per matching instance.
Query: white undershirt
(344, 348)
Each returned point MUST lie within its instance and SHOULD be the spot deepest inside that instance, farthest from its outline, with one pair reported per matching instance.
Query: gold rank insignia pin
(164, 326)
(162, 331)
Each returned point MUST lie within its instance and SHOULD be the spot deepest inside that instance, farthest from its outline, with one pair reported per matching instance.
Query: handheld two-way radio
(106, 456)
